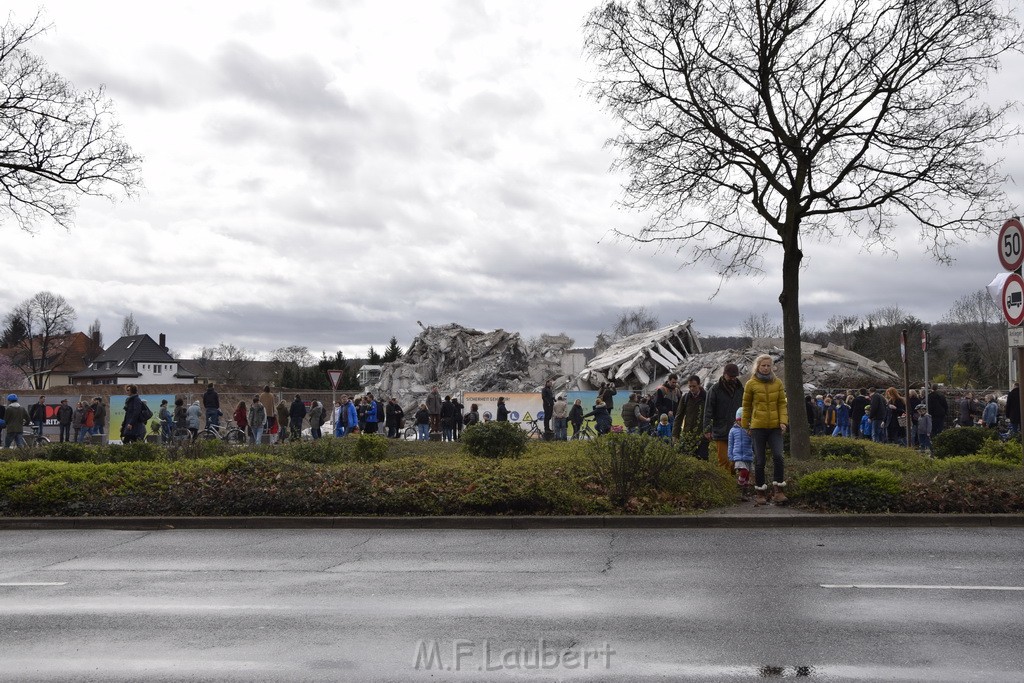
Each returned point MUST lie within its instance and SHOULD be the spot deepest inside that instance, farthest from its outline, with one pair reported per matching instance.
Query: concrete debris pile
(638, 361)
(831, 366)
(458, 359)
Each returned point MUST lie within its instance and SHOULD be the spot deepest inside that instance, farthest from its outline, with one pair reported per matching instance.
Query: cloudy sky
(328, 173)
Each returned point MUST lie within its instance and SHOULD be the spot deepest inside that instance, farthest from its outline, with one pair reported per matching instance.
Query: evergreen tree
(393, 352)
(372, 357)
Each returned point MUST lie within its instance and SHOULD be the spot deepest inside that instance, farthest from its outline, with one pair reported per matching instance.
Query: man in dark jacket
(296, 414)
(724, 398)
(211, 402)
(64, 416)
(689, 419)
(938, 408)
(666, 399)
(134, 427)
(547, 400)
(629, 414)
(857, 406)
(99, 415)
(37, 414)
(393, 415)
(434, 408)
(877, 406)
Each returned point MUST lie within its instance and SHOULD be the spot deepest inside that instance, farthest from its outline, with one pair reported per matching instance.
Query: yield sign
(335, 377)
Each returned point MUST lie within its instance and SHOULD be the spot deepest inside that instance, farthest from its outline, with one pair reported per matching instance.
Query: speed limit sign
(1011, 244)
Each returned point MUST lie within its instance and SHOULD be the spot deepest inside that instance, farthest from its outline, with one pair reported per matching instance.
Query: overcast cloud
(328, 173)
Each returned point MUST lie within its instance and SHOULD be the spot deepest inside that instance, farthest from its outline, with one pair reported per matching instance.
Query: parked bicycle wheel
(207, 435)
(39, 440)
(180, 435)
(236, 437)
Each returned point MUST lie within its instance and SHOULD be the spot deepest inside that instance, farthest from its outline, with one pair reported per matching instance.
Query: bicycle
(585, 432)
(534, 432)
(36, 438)
(226, 433)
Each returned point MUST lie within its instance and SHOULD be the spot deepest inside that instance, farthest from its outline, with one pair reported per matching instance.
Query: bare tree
(760, 327)
(11, 377)
(232, 362)
(842, 327)
(129, 328)
(56, 143)
(95, 339)
(299, 355)
(887, 316)
(757, 123)
(979, 314)
(46, 319)
(630, 322)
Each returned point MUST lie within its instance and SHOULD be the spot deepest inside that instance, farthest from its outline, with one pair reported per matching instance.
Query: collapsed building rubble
(638, 360)
(831, 366)
(459, 359)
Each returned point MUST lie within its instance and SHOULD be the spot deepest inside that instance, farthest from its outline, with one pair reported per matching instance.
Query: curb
(516, 523)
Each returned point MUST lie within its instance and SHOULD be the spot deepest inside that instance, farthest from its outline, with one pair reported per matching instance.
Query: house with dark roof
(136, 359)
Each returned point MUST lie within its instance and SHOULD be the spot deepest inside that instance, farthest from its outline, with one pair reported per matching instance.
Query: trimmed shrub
(861, 489)
(840, 449)
(370, 448)
(970, 466)
(951, 443)
(494, 440)
(627, 462)
(72, 452)
(1010, 451)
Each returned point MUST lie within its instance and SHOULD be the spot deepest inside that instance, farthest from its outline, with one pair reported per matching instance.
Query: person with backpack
(629, 413)
(473, 416)
(135, 418)
(560, 418)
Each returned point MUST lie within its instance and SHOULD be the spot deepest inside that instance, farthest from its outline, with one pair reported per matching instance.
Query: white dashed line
(914, 586)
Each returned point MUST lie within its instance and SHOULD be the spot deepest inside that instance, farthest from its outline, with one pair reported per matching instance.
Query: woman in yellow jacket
(765, 417)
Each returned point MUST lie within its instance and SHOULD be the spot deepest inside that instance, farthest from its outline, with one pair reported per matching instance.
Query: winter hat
(922, 407)
(12, 398)
(739, 414)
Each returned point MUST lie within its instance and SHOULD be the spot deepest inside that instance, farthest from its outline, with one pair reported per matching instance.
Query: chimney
(163, 341)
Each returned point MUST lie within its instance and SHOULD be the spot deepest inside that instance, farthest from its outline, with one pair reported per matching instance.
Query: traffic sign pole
(1011, 257)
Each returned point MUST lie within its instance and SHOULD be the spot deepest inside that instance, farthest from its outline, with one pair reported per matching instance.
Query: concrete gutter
(719, 521)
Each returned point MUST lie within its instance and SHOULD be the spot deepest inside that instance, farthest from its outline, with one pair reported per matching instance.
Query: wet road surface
(427, 605)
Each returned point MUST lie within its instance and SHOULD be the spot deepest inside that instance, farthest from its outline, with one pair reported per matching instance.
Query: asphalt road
(428, 605)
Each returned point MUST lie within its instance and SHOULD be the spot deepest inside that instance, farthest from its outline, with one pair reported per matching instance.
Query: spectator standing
(180, 414)
(924, 429)
(296, 414)
(65, 415)
(547, 400)
(192, 418)
(447, 419)
(842, 417)
(606, 393)
(628, 414)
(473, 416)
(459, 420)
(166, 421)
(99, 416)
(938, 409)
(393, 415)
(602, 418)
(741, 453)
(560, 417)
(666, 398)
(857, 406)
(423, 423)
(643, 415)
(865, 423)
(16, 417)
(282, 420)
(725, 397)
(766, 418)
(434, 408)
(134, 427)
(268, 402)
(991, 413)
(965, 410)
(37, 414)
(352, 416)
(372, 414)
(241, 417)
(876, 404)
(897, 407)
(257, 419)
(689, 420)
(576, 417)
(664, 429)
(78, 420)
(316, 419)
(211, 403)
(502, 412)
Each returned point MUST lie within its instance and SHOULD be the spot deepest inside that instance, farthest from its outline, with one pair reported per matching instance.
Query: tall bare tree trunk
(799, 430)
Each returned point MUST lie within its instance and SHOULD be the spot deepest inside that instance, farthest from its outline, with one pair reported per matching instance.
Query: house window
(157, 369)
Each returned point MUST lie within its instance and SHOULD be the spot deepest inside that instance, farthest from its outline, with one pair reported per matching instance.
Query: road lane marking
(38, 583)
(917, 586)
